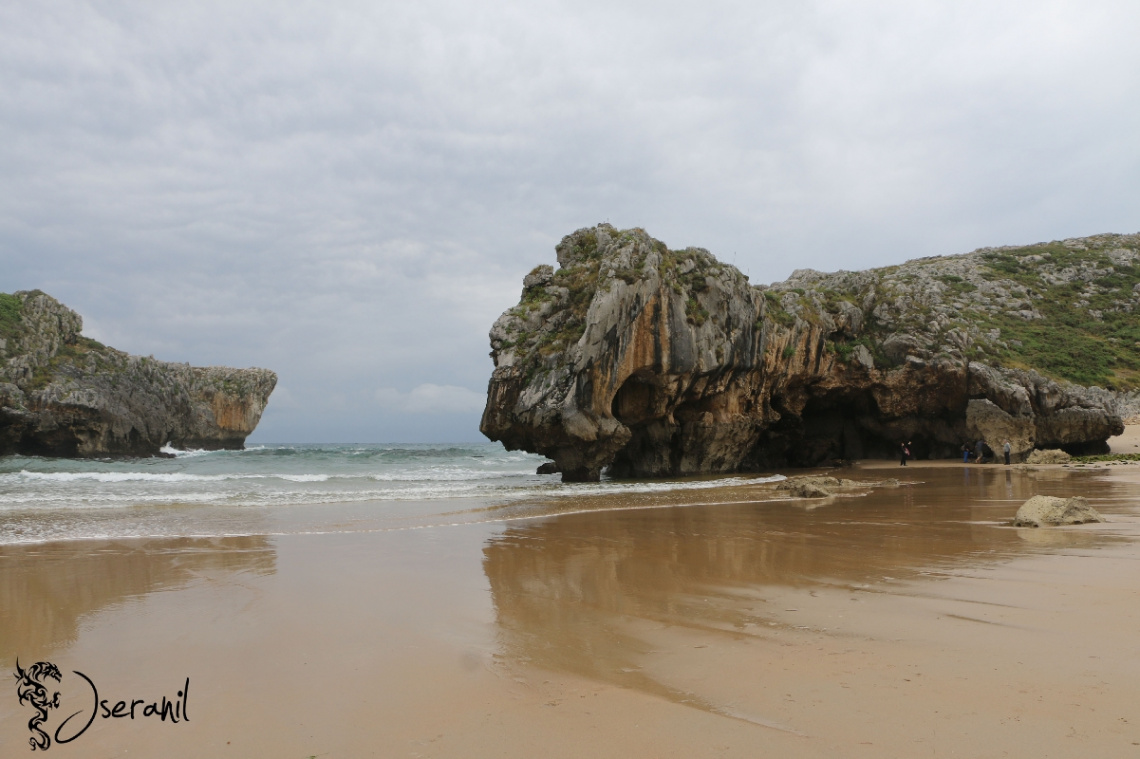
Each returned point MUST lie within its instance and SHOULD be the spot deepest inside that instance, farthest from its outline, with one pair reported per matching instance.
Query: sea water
(273, 489)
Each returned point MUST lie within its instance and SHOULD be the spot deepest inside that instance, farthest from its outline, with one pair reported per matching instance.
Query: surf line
(175, 709)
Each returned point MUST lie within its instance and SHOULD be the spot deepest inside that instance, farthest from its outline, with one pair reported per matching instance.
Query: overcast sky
(350, 193)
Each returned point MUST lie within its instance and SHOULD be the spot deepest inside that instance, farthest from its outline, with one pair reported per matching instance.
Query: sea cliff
(63, 394)
(652, 362)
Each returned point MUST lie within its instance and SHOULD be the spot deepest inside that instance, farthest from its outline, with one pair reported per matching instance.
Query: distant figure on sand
(905, 453)
(979, 452)
(965, 453)
(1005, 449)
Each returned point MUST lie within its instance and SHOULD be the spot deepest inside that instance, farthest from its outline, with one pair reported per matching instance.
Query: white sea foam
(170, 477)
(208, 490)
(17, 501)
(615, 487)
(124, 476)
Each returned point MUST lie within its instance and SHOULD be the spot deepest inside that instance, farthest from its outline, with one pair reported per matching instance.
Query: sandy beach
(891, 622)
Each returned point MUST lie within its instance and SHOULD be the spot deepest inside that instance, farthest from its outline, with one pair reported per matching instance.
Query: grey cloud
(350, 193)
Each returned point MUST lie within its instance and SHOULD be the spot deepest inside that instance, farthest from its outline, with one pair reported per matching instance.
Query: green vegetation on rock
(84, 354)
(1069, 310)
(10, 308)
(1088, 332)
(1106, 457)
(776, 311)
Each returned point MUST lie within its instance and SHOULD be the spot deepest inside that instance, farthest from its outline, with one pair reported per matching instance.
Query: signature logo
(32, 689)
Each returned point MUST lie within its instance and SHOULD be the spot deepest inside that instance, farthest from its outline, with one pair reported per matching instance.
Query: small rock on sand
(1042, 510)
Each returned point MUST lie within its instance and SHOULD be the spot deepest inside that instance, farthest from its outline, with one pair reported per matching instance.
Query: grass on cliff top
(1070, 342)
(1068, 345)
(70, 354)
(10, 309)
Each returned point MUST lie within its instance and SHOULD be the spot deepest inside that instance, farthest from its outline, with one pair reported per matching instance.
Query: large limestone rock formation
(62, 394)
(655, 362)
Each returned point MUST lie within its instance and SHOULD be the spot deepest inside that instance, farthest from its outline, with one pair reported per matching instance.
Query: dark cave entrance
(847, 426)
(649, 450)
(634, 402)
(832, 427)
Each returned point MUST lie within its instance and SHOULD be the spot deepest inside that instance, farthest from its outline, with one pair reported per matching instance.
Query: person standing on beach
(1005, 447)
(905, 453)
(979, 451)
(965, 453)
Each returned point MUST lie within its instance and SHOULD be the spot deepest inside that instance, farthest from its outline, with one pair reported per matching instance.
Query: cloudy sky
(350, 193)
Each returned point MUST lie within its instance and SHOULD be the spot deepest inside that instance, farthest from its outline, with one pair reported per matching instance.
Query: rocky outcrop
(650, 361)
(1048, 456)
(822, 486)
(1047, 510)
(62, 394)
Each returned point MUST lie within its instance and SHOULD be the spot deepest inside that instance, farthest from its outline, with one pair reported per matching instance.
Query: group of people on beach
(981, 451)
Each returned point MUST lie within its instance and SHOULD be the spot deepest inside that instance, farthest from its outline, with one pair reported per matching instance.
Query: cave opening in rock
(638, 405)
(850, 426)
(837, 426)
(633, 404)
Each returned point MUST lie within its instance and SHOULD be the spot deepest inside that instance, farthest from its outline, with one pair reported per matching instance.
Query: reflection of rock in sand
(45, 590)
(586, 593)
(1057, 538)
(1050, 475)
(571, 593)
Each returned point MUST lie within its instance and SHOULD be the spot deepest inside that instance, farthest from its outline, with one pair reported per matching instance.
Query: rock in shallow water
(823, 486)
(1047, 510)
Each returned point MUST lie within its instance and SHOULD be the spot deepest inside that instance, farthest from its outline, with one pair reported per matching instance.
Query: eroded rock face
(65, 395)
(657, 362)
(630, 356)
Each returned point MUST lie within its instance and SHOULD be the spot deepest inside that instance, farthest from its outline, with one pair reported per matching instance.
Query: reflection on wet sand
(46, 590)
(579, 593)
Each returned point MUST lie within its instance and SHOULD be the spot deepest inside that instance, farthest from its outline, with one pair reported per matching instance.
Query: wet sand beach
(890, 621)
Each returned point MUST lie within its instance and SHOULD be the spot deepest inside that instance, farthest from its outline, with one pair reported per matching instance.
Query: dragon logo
(31, 689)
